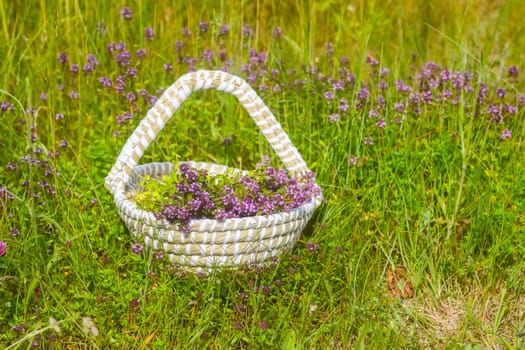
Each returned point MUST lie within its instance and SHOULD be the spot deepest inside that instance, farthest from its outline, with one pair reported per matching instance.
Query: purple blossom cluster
(195, 195)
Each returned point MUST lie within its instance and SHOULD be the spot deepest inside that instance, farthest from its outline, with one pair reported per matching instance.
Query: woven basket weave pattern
(210, 243)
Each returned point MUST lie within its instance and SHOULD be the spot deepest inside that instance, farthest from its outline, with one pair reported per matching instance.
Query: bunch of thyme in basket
(190, 193)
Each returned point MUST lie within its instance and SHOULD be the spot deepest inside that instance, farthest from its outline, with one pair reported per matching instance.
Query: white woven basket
(210, 243)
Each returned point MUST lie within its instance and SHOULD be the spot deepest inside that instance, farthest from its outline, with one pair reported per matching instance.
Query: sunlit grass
(420, 243)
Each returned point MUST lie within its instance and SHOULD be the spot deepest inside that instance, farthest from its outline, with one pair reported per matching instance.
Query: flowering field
(411, 114)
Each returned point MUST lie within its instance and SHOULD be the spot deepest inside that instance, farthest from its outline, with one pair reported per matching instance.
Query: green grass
(419, 245)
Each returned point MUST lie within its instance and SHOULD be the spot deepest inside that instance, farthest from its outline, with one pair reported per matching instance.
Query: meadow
(411, 114)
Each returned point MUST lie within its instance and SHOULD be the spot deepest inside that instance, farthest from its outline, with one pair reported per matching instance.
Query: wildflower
(495, 112)
(353, 160)
(225, 29)
(384, 72)
(402, 87)
(178, 45)
(63, 57)
(207, 55)
(53, 324)
(263, 325)
(130, 97)
(381, 123)
(14, 232)
(168, 67)
(88, 68)
(148, 33)
(123, 58)
(43, 96)
(137, 248)
(204, 26)
(89, 327)
(105, 81)
(19, 328)
(329, 96)
(500, 92)
(334, 118)
(427, 97)
(74, 95)
(513, 71)
(512, 109)
(399, 107)
(126, 13)
(372, 61)
(277, 32)
(3, 248)
(141, 53)
(313, 247)
(134, 303)
(74, 68)
(186, 32)
(506, 134)
(363, 94)
(368, 140)
(373, 113)
(227, 141)
(344, 106)
(247, 30)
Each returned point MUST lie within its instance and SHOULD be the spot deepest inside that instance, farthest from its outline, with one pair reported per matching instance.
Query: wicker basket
(210, 243)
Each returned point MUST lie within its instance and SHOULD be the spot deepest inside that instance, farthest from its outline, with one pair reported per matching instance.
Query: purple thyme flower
(178, 45)
(363, 94)
(74, 68)
(329, 96)
(137, 248)
(168, 67)
(512, 109)
(141, 53)
(506, 134)
(334, 118)
(247, 30)
(277, 32)
(225, 29)
(373, 113)
(381, 123)
(513, 71)
(105, 81)
(344, 106)
(402, 87)
(148, 33)
(399, 107)
(3, 248)
(130, 97)
(74, 95)
(500, 92)
(207, 55)
(63, 57)
(126, 13)
(123, 58)
(204, 26)
(131, 72)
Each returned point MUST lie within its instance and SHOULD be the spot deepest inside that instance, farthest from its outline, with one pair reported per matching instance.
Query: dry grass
(490, 320)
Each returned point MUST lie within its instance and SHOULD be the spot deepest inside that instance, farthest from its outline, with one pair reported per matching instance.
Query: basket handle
(170, 101)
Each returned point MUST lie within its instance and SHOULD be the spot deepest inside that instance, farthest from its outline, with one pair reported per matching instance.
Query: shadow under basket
(210, 243)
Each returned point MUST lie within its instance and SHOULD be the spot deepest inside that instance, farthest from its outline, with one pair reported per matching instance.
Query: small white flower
(54, 324)
(89, 326)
